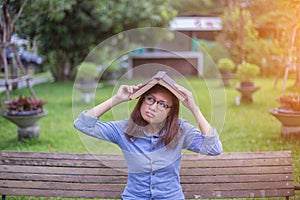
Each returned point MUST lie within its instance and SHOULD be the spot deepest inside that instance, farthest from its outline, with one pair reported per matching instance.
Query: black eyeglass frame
(161, 105)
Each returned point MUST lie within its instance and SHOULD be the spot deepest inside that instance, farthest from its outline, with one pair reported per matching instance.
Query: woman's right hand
(124, 92)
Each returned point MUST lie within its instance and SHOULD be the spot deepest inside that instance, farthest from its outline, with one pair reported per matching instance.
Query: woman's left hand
(189, 102)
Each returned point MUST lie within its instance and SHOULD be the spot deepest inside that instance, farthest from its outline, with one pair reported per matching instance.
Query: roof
(196, 24)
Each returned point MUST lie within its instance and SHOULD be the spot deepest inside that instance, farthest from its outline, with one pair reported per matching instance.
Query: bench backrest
(230, 175)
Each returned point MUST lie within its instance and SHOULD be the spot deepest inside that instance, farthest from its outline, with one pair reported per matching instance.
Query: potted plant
(25, 112)
(226, 66)
(245, 73)
(87, 80)
(288, 113)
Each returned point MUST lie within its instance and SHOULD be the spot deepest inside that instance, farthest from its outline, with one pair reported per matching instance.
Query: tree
(279, 22)
(14, 16)
(239, 34)
(67, 40)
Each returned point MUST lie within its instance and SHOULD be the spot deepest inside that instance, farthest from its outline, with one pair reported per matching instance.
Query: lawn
(246, 128)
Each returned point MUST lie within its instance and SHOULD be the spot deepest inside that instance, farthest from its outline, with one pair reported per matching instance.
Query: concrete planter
(27, 127)
(87, 90)
(290, 121)
(247, 89)
(226, 78)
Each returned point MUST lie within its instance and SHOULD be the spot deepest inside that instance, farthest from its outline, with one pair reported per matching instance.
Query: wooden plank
(123, 179)
(223, 156)
(59, 185)
(61, 170)
(239, 186)
(120, 187)
(235, 163)
(122, 164)
(236, 178)
(202, 194)
(110, 171)
(238, 155)
(64, 163)
(237, 170)
(62, 156)
(184, 179)
(64, 178)
(62, 193)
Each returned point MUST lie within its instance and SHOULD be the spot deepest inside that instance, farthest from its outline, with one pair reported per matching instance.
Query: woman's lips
(149, 114)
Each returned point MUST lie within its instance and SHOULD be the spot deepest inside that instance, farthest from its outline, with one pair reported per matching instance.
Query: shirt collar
(154, 135)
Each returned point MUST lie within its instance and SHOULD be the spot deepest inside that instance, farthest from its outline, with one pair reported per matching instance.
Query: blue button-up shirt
(153, 170)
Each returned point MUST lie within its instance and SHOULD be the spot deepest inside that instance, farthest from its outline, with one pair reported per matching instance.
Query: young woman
(152, 139)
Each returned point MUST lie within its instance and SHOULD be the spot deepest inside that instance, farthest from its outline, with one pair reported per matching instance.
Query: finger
(130, 89)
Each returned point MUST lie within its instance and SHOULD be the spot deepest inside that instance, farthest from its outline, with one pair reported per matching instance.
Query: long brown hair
(137, 123)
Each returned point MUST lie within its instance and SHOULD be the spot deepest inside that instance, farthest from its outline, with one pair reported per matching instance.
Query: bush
(247, 71)
(226, 65)
(87, 71)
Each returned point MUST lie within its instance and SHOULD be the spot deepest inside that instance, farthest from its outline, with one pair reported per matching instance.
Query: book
(163, 79)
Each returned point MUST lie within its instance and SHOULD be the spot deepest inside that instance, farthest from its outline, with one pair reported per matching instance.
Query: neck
(154, 128)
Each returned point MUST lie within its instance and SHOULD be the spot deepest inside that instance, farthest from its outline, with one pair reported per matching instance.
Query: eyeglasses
(161, 105)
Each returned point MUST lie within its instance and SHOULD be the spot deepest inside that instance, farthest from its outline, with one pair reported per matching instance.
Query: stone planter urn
(290, 122)
(245, 73)
(226, 66)
(288, 113)
(25, 112)
(27, 127)
(87, 90)
(226, 78)
(247, 89)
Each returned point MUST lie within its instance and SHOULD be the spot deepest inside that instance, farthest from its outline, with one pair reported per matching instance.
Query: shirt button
(153, 173)
(152, 187)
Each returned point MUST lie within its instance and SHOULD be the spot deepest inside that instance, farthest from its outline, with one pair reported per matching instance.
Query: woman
(152, 139)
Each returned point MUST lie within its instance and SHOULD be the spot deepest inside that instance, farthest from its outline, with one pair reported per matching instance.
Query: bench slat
(239, 194)
(62, 193)
(237, 170)
(189, 156)
(235, 178)
(64, 178)
(66, 186)
(64, 163)
(61, 170)
(110, 171)
(61, 156)
(238, 186)
(122, 163)
(120, 187)
(123, 179)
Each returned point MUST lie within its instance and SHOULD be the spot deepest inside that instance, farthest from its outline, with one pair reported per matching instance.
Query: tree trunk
(297, 81)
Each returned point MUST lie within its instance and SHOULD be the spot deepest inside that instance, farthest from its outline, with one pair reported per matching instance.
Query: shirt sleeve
(109, 131)
(196, 141)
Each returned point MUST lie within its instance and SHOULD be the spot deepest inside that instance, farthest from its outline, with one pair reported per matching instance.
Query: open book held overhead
(162, 79)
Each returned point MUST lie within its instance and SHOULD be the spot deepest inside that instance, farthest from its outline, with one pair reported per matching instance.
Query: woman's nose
(153, 106)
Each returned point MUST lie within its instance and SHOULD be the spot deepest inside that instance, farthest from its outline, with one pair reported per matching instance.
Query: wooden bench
(230, 175)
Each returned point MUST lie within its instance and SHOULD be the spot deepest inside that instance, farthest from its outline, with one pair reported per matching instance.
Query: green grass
(246, 128)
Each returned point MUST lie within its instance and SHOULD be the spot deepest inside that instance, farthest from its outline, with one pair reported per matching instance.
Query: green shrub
(247, 71)
(87, 71)
(226, 65)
